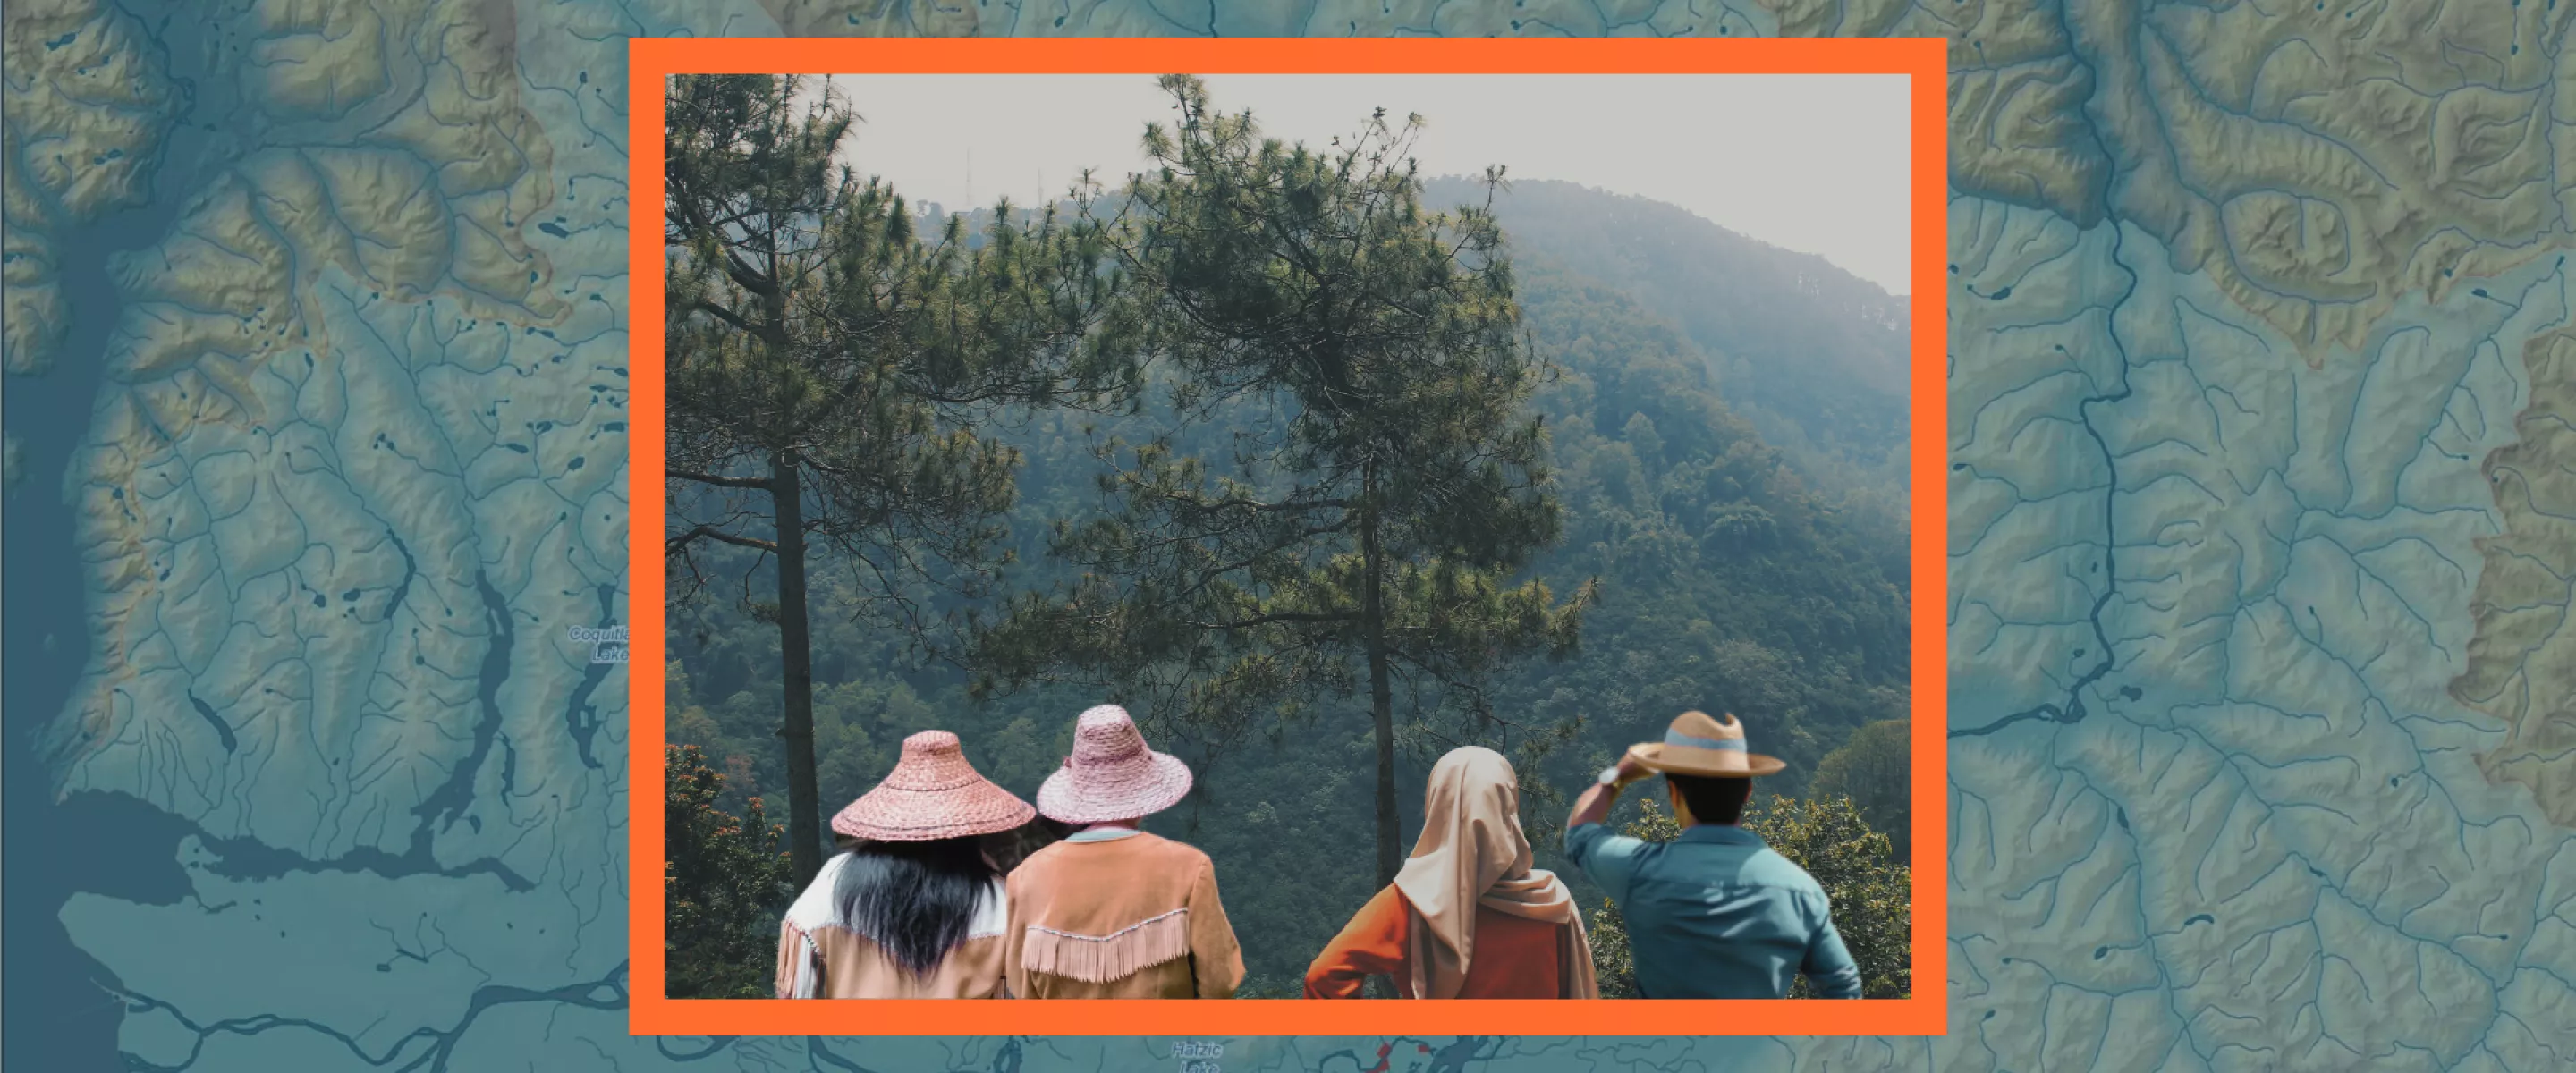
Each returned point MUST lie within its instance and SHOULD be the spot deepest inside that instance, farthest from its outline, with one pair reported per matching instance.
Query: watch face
(1609, 775)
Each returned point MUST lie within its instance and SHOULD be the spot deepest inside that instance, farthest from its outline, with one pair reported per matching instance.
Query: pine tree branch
(756, 483)
(675, 544)
(721, 313)
(1282, 616)
(1255, 505)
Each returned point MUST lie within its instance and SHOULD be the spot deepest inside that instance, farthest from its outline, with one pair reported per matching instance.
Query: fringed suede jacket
(1118, 914)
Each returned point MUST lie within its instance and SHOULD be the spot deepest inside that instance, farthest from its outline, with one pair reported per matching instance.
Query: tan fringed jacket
(1134, 916)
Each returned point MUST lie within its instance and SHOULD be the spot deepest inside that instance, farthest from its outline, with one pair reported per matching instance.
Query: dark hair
(915, 899)
(1712, 800)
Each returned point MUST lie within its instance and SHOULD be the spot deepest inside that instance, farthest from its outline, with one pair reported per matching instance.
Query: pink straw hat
(932, 793)
(1111, 774)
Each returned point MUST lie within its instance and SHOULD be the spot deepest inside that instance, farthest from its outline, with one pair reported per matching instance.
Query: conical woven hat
(932, 793)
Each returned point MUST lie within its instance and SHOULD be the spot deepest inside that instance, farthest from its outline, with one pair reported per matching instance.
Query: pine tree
(1384, 478)
(829, 374)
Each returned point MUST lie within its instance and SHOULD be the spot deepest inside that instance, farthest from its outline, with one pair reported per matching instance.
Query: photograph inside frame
(1319, 536)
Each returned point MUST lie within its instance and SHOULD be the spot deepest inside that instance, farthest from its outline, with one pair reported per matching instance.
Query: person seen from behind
(1113, 911)
(1467, 917)
(1714, 913)
(913, 907)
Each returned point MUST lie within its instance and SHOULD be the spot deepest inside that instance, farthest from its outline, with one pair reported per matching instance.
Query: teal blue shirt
(1717, 914)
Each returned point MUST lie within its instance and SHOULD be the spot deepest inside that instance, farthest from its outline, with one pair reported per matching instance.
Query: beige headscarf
(1472, 853)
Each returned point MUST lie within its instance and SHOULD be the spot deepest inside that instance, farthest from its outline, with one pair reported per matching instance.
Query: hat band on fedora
(1692, 741)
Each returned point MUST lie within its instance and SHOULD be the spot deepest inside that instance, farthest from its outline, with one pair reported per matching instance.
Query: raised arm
(1593, 805)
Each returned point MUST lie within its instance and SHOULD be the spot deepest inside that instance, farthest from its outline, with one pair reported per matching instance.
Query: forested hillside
(1725, 426)
(1813, 356)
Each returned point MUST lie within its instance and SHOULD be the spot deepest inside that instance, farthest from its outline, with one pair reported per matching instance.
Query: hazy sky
(1813, 163)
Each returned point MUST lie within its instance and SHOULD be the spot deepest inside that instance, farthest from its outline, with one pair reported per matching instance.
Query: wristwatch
(1609, 776)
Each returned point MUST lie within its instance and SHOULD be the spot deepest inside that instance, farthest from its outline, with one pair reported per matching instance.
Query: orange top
(1516, 957)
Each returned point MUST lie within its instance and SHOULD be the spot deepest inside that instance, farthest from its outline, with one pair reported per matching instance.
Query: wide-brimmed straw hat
(1698, 745)
(932, 793)
(1111, 774)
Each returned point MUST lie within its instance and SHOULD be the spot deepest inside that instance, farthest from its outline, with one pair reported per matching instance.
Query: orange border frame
(1923, 60)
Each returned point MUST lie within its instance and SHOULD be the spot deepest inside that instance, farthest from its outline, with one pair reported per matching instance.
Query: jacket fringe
(1099, 959)
(799, 963)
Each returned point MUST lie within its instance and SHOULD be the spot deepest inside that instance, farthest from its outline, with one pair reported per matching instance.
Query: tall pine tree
(1385, 475)
(830, 375)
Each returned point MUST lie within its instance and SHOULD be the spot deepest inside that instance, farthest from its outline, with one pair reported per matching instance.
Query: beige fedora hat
(1698, 745)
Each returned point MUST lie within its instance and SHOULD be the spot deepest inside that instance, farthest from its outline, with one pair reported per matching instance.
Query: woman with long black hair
(914, 907)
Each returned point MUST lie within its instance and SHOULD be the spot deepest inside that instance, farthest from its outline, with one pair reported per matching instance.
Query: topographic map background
(2261, 385)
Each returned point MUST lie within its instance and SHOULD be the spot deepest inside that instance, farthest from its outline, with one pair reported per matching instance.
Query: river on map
(60, 1014)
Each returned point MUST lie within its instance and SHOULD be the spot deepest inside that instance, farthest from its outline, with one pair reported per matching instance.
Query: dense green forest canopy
(1726, 433)
(1813, 356)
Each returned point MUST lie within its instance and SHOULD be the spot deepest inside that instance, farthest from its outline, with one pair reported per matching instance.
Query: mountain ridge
(1816, 358)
